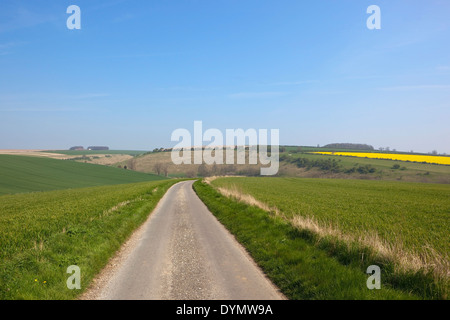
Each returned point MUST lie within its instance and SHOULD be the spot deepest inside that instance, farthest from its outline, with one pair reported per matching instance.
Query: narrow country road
(182, 252)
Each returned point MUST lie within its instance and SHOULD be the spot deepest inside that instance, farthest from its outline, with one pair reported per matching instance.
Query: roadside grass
(42, 234)
(28, 174)
(291, 258)
(400, 226)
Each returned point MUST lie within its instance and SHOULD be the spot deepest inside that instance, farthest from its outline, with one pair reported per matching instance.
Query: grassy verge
(291, 258)
(42, 234)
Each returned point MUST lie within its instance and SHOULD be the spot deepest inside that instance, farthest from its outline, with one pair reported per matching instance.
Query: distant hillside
(92, 152)
(27, 174)
(351, 146)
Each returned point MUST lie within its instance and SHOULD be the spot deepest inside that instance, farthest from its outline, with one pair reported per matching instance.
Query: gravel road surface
(182, 252)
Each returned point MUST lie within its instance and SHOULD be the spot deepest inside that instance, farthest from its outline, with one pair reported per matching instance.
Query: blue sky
(138, 70)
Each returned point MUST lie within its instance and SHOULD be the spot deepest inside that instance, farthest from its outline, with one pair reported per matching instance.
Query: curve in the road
(182, 252)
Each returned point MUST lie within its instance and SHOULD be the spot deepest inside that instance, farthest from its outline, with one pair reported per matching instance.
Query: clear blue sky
(139, 69)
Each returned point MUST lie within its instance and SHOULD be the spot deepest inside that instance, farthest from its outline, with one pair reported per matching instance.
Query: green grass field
(27, 174)
(42, 234)
(407, 222)
(290, 258)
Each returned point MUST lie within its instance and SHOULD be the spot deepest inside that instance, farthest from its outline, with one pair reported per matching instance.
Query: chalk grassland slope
(27, 174)
(146, 163)
(404, 224)
(42, 234)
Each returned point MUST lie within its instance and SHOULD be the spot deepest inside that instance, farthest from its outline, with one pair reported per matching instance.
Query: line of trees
(328, 165)
(352, 146)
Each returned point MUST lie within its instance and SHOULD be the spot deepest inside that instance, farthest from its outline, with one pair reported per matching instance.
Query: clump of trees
(82, 158)
(397, 167)
(161, 169)
(331, 165)
(361, 169)
(191, 173)
(205, 170)
(327, 165)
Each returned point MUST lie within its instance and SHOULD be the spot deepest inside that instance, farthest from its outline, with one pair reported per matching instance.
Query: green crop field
(405, 224)
(27, 174)
(42, 234)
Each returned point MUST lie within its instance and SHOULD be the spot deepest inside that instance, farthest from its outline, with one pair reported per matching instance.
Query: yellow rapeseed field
(393, 156)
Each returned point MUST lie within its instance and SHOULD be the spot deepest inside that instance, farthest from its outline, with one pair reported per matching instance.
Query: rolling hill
(20, 174)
